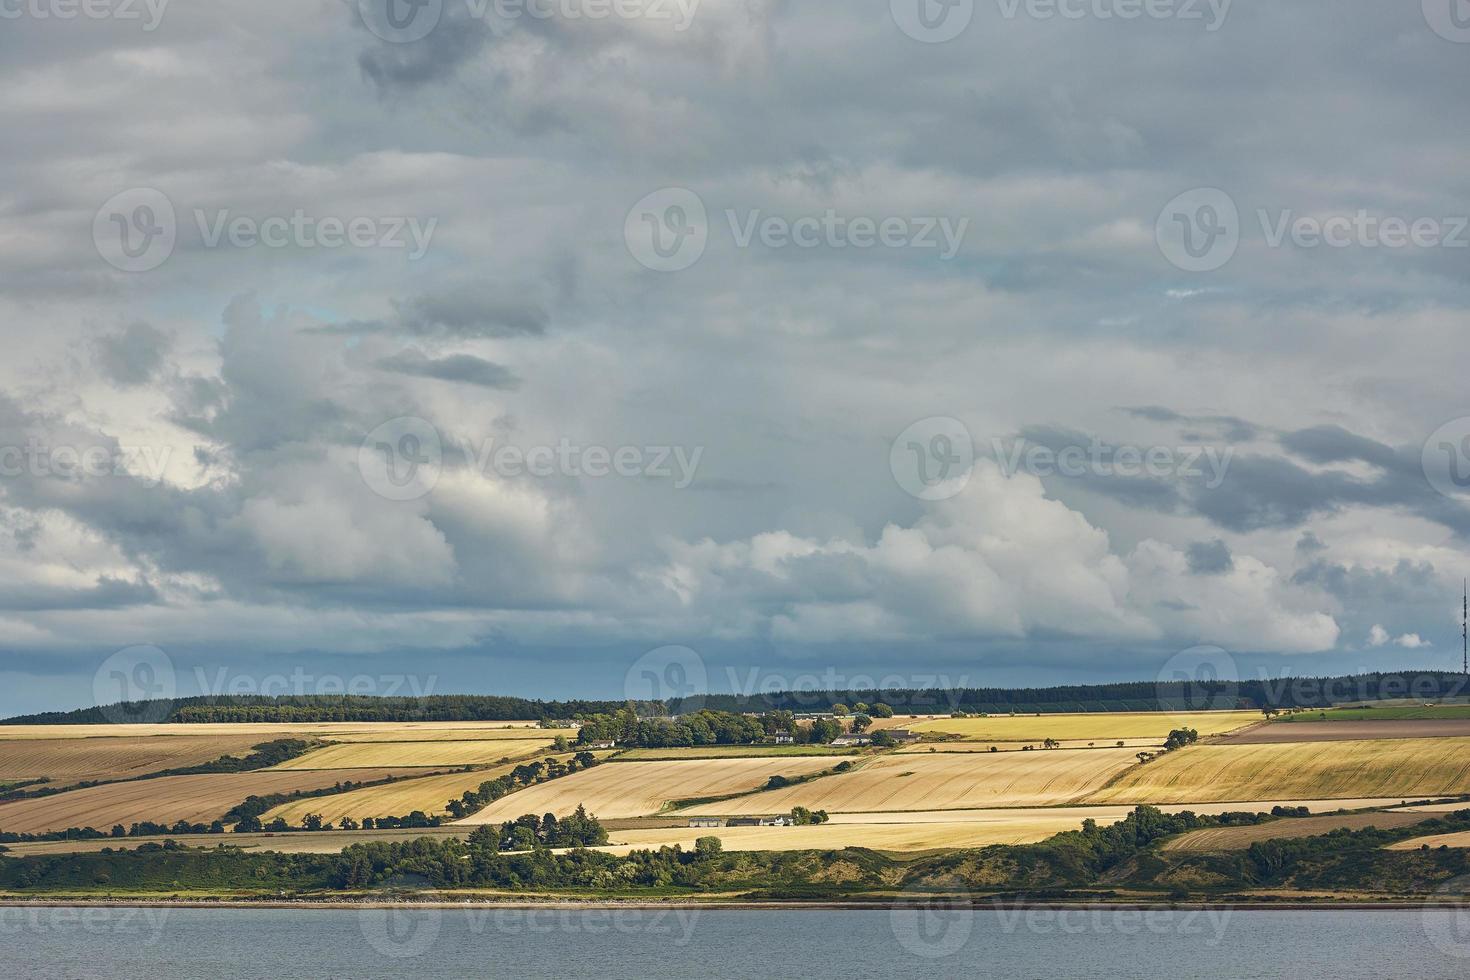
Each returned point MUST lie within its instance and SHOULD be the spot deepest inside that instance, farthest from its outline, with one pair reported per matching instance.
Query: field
(729, 752)
(1459, 839)
(302, 842)
(1399, 712)
(943, 781)
(520, 731)
(72, 760)
(198, 799)
(1351, 731)
(1240, 838)
(634, 789)
(972, 748)
(1403, 768)
(400, 730)
(426, 793)
(1096, 727)
(439, 753)
(897, 832)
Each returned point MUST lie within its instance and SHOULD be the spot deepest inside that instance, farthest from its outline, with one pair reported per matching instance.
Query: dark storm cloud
(457, 311)
(1334, 444)
(392, 67)
(462, 368)
(132, 355)
(1210, 558)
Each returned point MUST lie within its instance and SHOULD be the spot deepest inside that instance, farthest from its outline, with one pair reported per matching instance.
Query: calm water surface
(172, 944)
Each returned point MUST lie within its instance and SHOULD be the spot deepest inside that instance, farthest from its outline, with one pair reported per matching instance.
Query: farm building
(744, 822)
(784, 738)
(775, 821)
(902, 735)
(606, 743)
(842, 740)
(706, 822)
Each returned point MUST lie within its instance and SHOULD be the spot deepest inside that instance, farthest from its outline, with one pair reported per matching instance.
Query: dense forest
(1295, 692)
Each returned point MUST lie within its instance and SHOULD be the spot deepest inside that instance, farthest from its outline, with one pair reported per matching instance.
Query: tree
(1180, 737)
(860, 723)
(708, 848)
(881, 710)
(861, 708)
(1051, 743)
(840, 710)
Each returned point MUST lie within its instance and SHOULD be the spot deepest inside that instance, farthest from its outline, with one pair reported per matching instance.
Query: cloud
(463, 368)
(1210, 558)
(132, 355)
(255, 374)
(1378, 636)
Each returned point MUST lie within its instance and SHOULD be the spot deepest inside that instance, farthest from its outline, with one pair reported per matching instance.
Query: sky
(592, 348)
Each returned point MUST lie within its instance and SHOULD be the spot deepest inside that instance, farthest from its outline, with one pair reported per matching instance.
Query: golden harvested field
(72, 760)
(1240, 838)
(921, 748)
(1098, 727)
(300, 842)
(730, 752)
(615, 790)
(363, 755)
(881, 830)
(453, 734)
(879, 837)
(943, 781)
(401, 729)
(1403, 768)
(1457, 839)
(198, 799)
(427, 793)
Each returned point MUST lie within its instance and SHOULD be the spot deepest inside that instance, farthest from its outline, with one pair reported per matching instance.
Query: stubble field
(944, 781)
(616, 790)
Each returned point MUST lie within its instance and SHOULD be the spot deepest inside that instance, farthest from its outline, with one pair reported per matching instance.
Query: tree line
(1305, 692)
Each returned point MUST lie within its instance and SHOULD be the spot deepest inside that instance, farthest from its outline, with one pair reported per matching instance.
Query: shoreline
(877, 905)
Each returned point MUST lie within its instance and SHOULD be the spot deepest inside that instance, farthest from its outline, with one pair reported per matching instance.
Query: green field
(1421, 712)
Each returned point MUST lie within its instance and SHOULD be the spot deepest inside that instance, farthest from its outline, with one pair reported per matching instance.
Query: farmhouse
(784, 738)
(775, 821)
(843, 740)
(604, 743)
(902, 735)
(706, 822)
